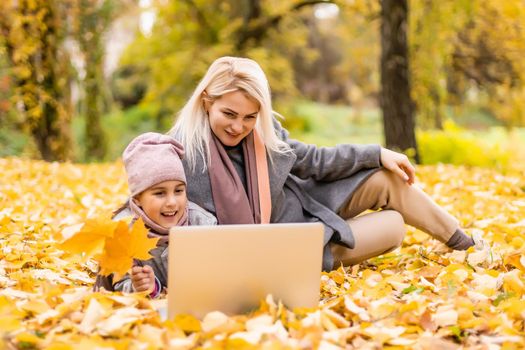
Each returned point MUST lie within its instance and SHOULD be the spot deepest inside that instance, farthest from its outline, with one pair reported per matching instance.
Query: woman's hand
(143, 278)
(399, 164)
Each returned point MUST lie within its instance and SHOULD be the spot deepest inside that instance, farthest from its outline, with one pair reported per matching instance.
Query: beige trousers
(382, 231)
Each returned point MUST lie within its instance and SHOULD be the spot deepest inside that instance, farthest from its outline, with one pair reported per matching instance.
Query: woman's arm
(334, 163)
(399, 164)
(330, 163)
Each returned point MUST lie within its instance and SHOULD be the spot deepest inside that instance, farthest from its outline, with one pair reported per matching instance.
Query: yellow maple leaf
(516, 259)
(124, 246)
(91, 238)
(187, 323)
(140, 244)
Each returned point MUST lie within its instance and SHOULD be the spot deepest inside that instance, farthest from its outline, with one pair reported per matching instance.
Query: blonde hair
(226, 74)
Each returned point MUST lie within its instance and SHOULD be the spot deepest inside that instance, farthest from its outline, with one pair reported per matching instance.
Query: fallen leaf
(445, 316)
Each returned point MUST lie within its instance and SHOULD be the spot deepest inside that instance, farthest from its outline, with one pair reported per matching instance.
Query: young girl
(157, 184)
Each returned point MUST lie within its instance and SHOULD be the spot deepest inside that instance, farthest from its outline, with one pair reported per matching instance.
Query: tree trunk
(94, 19)
(96, 144)
(436, 99)
(42, 92)
(396, 104)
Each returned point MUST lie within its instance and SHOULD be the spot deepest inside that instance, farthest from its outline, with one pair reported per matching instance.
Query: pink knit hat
(152, 158)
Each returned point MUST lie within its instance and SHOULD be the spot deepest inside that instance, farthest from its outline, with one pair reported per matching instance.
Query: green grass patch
(486, 145)
(120, 126)
(328, 125)
(495, 147)
(12, 142)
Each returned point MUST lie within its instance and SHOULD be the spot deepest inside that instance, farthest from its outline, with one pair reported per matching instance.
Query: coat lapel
(278, 171)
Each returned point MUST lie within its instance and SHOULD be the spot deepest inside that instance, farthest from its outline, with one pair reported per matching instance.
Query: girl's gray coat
(159, 260)
(323, 179)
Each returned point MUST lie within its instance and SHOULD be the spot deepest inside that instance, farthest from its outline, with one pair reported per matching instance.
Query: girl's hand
(143, 278)
(399, 164)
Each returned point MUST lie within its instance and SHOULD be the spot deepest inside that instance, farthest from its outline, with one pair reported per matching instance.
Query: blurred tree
(315, 66)
(345, 45)
(5, 87)
(433, 27)
(396, 104)
(488, 58)
(468, 53)
(361, 49)
(188, 35)
(33, 33)
(90, 20)
(128, 86)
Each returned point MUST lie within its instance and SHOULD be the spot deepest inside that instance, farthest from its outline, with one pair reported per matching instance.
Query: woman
(243, 168)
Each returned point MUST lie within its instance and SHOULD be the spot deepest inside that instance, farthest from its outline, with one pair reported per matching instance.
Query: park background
(81, 78)
(442, 81)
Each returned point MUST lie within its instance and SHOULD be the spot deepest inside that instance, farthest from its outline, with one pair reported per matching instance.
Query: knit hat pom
(152, 158)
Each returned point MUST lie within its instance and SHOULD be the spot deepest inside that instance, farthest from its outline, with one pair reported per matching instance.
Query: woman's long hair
(226, 74)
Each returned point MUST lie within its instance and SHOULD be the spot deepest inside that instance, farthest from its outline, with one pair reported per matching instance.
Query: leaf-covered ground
(421, 296)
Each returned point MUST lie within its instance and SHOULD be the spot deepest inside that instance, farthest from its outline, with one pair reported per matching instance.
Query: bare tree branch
(212, 34)
(259, 31)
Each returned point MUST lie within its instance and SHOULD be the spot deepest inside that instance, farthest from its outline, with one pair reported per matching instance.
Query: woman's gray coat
(322, 178)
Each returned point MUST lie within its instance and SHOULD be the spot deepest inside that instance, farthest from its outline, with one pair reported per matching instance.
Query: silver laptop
(231, 268)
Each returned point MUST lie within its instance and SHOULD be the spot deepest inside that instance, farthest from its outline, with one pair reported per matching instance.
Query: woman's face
(232, 117)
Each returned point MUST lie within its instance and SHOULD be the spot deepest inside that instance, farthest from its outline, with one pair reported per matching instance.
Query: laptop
(231, 268)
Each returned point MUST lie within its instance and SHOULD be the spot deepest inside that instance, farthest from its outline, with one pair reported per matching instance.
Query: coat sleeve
(329, 163)
(124, 285)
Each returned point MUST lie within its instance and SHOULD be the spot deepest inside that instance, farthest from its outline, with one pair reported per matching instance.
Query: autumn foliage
(113, 245)
(421, 296)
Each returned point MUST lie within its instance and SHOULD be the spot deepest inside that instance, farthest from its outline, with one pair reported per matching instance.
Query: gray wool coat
(323, 180)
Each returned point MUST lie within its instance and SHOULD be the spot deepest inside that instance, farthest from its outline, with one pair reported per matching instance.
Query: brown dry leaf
(426, 321)
(516, 259)
(445, 316)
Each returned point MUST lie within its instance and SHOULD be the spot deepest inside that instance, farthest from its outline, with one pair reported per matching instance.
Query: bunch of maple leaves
(421, 296)
(112, 244)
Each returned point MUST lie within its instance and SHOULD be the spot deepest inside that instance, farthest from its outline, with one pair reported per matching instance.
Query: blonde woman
(243, 168)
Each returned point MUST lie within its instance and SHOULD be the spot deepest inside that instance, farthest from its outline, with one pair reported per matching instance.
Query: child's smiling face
(164, 203)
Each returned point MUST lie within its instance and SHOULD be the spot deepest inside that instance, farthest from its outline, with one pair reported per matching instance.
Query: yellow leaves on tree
(113, 245)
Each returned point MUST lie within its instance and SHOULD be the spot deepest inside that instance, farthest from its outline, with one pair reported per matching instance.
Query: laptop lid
(231, 268)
